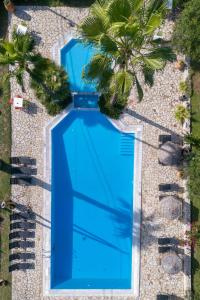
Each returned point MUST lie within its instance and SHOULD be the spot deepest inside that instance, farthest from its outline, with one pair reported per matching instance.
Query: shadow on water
(61, 213)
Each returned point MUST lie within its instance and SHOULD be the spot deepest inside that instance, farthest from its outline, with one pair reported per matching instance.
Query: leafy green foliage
(186, 37)
(47, 79)
(194, 141)
(51, 86)
(181, 113)
(123, 32)
(184, 87)
(112, 107)
(194, 174)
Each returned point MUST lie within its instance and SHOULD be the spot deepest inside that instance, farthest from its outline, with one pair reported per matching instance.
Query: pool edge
(46, 251)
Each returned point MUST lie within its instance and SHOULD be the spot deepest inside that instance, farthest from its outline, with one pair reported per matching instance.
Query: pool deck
(51, 27)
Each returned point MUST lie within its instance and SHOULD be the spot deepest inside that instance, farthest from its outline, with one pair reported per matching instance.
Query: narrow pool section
(92, 200)
(74, 58)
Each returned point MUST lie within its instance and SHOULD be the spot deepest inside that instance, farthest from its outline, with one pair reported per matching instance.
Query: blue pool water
(92, 190)
(74, 57)
(86, 101)
(92, 200)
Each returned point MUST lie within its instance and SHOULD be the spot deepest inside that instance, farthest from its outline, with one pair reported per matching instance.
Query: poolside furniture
(22, 255)
(25, 180)
(22, 216)
(165, 187)
(171, 263)
(22, 266)
(22, 244)
(170, 187)
(169, 154)
(162, 297)
(24, 170)
(163, 138)
(22, 225)
(165, 249)
(21, 29)
(23, 160)
(21, 234)
(171, 207)
(18, 102)
(168, 297)
(169, 4)
(167, 241)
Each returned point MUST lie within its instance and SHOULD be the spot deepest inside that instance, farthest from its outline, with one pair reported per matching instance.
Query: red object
(10, 101)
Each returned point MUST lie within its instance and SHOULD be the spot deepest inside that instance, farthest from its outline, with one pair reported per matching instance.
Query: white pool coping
(137, 130)
(134, 291)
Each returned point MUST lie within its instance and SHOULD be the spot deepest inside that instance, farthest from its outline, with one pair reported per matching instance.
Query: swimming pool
(74, 57)
(92, 203)
(92, 184)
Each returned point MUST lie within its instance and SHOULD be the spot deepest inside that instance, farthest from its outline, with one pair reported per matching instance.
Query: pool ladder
(126, 144)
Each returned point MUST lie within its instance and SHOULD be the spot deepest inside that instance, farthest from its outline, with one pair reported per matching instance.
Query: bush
(186, 36)
(113, 110)
(194, 175)
(181, 113)
(51, 86)
(184, 87)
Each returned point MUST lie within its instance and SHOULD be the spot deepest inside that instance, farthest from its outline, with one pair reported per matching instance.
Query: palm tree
(19, 53)
(123, 32)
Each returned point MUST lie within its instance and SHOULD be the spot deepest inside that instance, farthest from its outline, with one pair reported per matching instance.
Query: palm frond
(122, 82)
(136, 4)
(165, 53)
(153, 23)
(139, 89)
(119, 10)
(148, 75)
(92, 28)
(153, 63)
(107, 44)
(97, 66)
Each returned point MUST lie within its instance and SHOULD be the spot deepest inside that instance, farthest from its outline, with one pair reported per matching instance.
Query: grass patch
(72, 3)
(5, 146)
(195, 212)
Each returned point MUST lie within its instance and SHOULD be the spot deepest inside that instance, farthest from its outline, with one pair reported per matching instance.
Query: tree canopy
(186, 37)
(123, 31)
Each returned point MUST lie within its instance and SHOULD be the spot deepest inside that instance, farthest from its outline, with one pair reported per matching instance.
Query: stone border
(134, 291)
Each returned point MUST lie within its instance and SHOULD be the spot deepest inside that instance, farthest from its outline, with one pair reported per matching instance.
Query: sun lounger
(163, 187)
(22, 244)
(163, 138)
(22, 267)
(22, 225)
(22, 255)
(24, 170)
(22, 160)
(162, 297)
(170, 187)
(22, 216)
(21, 234)
(165, 249)
(167, 241)
(21, 180)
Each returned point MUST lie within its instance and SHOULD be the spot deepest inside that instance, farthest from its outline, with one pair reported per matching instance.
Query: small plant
(181, 113)
(180, 65)
(183, 86)
(192, 140)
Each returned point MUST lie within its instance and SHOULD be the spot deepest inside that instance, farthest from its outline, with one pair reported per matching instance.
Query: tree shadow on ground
(144, 119)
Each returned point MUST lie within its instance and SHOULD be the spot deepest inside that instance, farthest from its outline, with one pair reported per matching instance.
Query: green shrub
(186, 36)
(184, 87)
(113, 110)
(181, 113)
(194, 175)
(51, 86)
